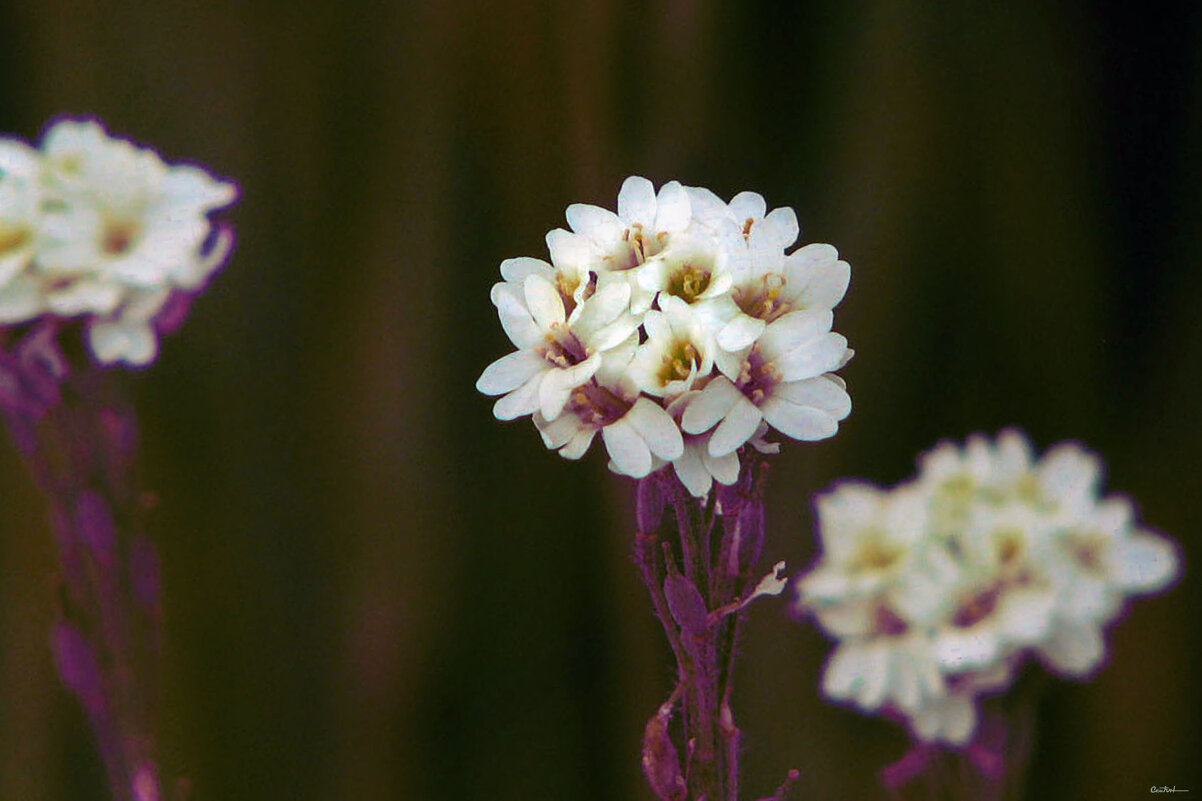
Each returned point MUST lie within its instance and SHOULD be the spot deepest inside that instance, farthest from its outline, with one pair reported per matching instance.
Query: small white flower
(130, 336)
(779, 380)
(604, 242)
(950, 718)
(678, 350)
(695, 467)
(766, 284)
(868, 538)
(556, 353)
(121, 217)
(691, 270)
(998, 557)
(622, 319)
(895, 671)
(20, 207)
(638, 433)
(96, 227)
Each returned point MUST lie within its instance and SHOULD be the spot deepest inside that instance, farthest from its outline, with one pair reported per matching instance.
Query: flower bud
(686, 604)
(661, 763)
(94, 524)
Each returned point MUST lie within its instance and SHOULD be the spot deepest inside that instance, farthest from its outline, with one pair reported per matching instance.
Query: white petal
(672, 210)
(1074, 651)
(17, 158)
(740, 332)
(617, 334)
(709, 406)
(748, 204)
(543, 301)
(813, 358)
(20, 299)
(120, 341)
(516, 270)
(601, 309)
(572, 252)
(780, 228)
(1142, 562)
(1068, 471)
(1089, 598)
(578, 445)
(598, 224)
(523, 400)
(519, 326)
(795, 329)
(724, 469)
(657, 428)
(906, 691)
(730, 364)
(966, 649)
(627, 449)
(560, 431)
(844, 671)
(188, 186)
(827, 286)
(557, 385)
(1025, 614)
(82, 296)
(823, 392)
(876, 677)
(692, 473)
(803, 423)
(658, 329)
(510, 372)
(958, 719)
(653, 275)
(636, 201)
(738, 427)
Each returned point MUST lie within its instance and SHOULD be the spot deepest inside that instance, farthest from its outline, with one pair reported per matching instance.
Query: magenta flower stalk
(681, 331)
(704, 561)
(102, 246)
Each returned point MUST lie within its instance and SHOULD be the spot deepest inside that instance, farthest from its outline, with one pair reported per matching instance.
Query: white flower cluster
(939, 588)
(96, 227)
(678, 328)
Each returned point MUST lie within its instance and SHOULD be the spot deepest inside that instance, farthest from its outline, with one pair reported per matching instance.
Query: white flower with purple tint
(556, 352)
(615, 334)
(20, 223)
(638, 433)
(677, 353)
(989, 556)
(107, 232)
(604, 243)
(780, 380)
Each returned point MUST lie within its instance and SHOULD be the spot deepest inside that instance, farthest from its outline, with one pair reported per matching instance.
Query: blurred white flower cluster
(96, 227)
(678, 328)
(938, 589)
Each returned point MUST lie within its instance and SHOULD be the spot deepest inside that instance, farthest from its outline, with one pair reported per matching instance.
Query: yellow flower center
(874, 555)
(117, 237)
(689, 282)
(679, 362)
(13, 237)
(761, 299)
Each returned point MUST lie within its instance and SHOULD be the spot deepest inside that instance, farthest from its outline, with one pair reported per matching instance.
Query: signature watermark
(1165, 789)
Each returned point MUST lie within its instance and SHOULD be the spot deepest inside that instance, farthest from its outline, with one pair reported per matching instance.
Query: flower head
(632, 330)
(96, 227)
(938, 589)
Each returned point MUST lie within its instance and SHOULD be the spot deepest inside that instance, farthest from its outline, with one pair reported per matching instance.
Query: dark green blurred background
(377, 591)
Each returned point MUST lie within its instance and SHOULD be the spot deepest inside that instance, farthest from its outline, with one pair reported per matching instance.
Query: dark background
(377, 591)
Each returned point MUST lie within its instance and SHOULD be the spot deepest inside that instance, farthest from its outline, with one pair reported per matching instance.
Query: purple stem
(79, 441)
(685, 599)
